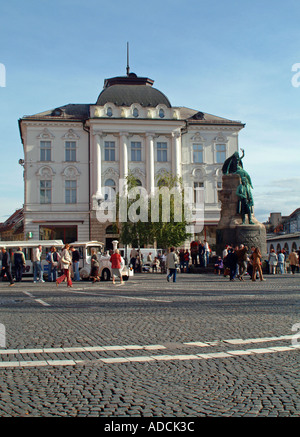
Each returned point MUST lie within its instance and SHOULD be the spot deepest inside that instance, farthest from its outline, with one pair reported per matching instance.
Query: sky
(234, 59)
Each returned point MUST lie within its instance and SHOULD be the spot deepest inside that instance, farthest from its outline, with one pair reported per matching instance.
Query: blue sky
(232, 59)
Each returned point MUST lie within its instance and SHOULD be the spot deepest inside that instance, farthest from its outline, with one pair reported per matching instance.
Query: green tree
(167, 230)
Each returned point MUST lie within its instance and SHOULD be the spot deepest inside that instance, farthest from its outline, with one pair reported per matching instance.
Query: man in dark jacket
(231, 262)
(6, 267)
(19, 261)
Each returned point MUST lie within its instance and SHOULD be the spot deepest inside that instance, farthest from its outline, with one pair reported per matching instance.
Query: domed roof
(126, 90)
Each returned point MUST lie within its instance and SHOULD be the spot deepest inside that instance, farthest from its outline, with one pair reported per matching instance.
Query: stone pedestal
(230, 229)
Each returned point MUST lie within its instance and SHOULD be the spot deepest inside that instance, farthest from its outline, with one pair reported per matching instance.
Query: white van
(146, 266)
(27, 248)
(85, 251)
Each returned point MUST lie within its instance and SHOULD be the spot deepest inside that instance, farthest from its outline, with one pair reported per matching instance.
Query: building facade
(73, 151)
(286, 234)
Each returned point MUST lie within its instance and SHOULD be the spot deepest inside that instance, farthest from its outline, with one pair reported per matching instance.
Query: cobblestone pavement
(203, 346)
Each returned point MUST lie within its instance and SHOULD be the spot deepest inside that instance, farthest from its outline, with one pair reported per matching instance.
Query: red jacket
(115, 260)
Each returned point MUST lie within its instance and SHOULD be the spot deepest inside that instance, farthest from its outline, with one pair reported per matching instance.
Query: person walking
(66, 262)
(171, 262)
(207, 253)
(116, 261)
(75, 261)
(186, 261)
(281, 261)
(256, 263)
(94, 275)
(293, 260)
(20, 263)
(242, 261)
(201, 254)
(273, 261)
(53, 259)
(181, 260)
(6, 267)
(37, 265)
(231, 262)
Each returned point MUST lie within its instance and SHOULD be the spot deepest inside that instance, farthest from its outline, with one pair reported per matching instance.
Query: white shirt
(37, 254)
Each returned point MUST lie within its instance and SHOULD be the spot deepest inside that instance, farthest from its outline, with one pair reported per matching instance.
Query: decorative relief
(71, 135)
(198, 173)
(70, 172)
(111, 173)
(45, 172)
(45, 135)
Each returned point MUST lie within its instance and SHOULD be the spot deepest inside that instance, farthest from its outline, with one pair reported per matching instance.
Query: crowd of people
(63, 266)
(237, 262)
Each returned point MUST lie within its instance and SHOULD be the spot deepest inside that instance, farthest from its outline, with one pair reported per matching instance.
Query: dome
(126, 90)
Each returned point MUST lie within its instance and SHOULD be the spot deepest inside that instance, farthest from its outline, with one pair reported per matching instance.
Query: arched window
(286, 248)
(109, 112)
(294, 246)
(278, 248)
(135, 112)
(111, 230)
(109, 195)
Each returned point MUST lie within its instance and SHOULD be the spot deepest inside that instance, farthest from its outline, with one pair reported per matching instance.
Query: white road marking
(116, 295)
(40, 301)
(141, 359)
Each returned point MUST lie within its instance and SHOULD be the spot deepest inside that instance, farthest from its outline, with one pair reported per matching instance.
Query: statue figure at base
(245, 203)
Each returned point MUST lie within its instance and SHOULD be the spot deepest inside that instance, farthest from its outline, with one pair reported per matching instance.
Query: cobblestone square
(200, 347)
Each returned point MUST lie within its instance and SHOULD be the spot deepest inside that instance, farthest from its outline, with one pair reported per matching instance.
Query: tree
(157, 218)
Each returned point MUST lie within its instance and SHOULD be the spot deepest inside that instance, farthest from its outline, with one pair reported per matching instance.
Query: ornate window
(162, 149)
(109, 112)
(45, 191)
(70, 191)
(70, 151)
(197, 153)
(136, 151)
(109, 151)
(197, 191)
(161, 113)
(220, 153)
(45, 151)
(110, 183)
(135, 112)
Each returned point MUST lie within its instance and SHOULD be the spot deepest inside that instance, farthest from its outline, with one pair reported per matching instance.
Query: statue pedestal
(230, 229)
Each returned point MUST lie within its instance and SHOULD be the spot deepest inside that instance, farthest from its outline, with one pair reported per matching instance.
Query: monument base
(230, 229)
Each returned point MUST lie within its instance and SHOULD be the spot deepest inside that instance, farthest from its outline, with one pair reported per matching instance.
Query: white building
(72, 151)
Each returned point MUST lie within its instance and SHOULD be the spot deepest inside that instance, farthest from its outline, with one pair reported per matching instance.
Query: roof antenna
(127, 69)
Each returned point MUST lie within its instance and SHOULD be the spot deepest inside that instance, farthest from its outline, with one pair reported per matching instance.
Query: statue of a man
(245, 204)
(234, 164)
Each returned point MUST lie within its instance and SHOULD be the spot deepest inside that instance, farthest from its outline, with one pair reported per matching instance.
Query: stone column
(150, 163)
(123, 157)
(97, 166)
(176, 154)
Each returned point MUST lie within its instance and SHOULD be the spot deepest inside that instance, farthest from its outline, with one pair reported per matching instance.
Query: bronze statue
(234, 164)
(245, 204)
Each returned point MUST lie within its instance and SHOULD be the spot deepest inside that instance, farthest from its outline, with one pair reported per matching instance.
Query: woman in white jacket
(66, 262)
(273, 261)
